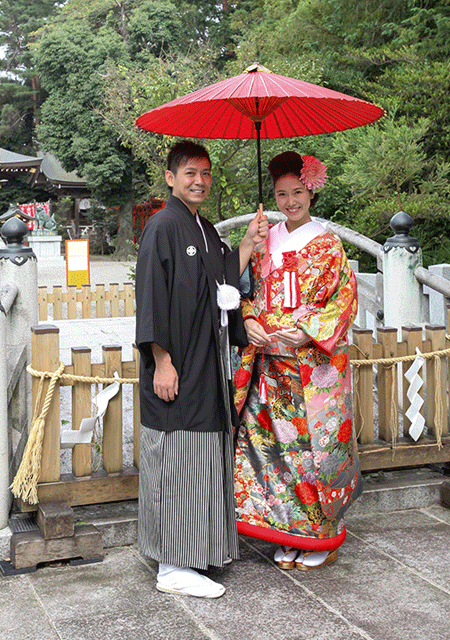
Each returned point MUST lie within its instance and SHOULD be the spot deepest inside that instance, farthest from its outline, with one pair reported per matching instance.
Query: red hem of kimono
(289, 540)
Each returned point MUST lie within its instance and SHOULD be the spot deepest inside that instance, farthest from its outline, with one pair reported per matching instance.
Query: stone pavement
(391, 580)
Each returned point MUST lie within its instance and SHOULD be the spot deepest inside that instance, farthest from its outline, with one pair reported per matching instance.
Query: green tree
(153, 28)
(71, 60)
(393, 53)
(20, 94)
(80, 55)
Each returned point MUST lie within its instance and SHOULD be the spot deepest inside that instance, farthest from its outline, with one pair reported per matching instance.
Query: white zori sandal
(185, 581)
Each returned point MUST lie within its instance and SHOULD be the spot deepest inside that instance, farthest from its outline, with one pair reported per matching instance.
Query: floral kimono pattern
(296, 464)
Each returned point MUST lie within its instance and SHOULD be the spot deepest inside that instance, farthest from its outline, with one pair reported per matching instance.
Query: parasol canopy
(259, 104)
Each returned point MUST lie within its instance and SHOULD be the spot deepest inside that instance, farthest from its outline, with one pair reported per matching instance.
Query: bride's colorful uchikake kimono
(296, 465)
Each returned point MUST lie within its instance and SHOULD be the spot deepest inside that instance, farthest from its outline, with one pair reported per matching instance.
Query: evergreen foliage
(20, 93)
(104, 62)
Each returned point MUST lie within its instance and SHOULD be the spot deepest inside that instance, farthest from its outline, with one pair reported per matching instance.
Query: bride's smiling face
(293, 199)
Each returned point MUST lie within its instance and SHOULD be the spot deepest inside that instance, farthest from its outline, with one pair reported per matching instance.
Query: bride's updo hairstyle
(289, 162)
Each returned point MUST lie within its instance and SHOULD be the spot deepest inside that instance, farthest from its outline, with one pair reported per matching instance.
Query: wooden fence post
(112, 420)
(43, 304)
(71, 302)
(436, 391)
(387, 387)
(363, 386)
(136, 411)
(86, 301)
(100, 301)
(45, 357)
(114, 299)
(129, 299)
(57, 302)
(81, 408)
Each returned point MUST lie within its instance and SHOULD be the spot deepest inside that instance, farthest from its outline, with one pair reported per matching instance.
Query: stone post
(18, 265)
(8, 294)
(18, 274)
(402, 293)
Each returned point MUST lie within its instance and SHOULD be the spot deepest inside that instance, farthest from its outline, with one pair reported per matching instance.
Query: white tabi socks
(185, 581)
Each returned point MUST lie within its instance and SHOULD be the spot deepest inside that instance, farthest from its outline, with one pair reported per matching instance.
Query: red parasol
(259, 104)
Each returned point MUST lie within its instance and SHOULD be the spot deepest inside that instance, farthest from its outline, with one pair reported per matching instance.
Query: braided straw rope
(389, 363)
(25, 482)
(67, 377)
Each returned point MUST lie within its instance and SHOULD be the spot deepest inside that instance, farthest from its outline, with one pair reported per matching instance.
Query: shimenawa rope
(25, 482)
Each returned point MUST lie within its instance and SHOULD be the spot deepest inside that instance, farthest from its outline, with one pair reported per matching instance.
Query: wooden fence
(380, 398)
(87, 302)
(84, 485)
(380, 404)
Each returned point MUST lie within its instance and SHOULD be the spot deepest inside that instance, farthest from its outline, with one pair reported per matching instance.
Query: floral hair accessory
(313, 173)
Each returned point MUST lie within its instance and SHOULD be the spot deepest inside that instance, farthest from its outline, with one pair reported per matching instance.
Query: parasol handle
(258, 151)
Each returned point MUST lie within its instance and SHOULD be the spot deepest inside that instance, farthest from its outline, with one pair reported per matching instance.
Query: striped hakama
(186, 500)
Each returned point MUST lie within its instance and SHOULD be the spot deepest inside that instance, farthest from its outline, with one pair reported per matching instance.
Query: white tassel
(223, 318)
(228, 298)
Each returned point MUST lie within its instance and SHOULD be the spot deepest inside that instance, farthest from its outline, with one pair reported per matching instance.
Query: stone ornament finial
(401, 223)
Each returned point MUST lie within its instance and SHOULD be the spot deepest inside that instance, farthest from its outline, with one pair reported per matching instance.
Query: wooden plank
(98, 369)
(45, 357)
(81, 408)
(112, 420)
(373, 457)
(129, 369)
(363, 386)
(100, 301)
(86, 301)
(71, 302)
(57, 302)
(129, 299)
(95, 489)
(68, 368)
(43, 305)
(114, 299)
(377, 350)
